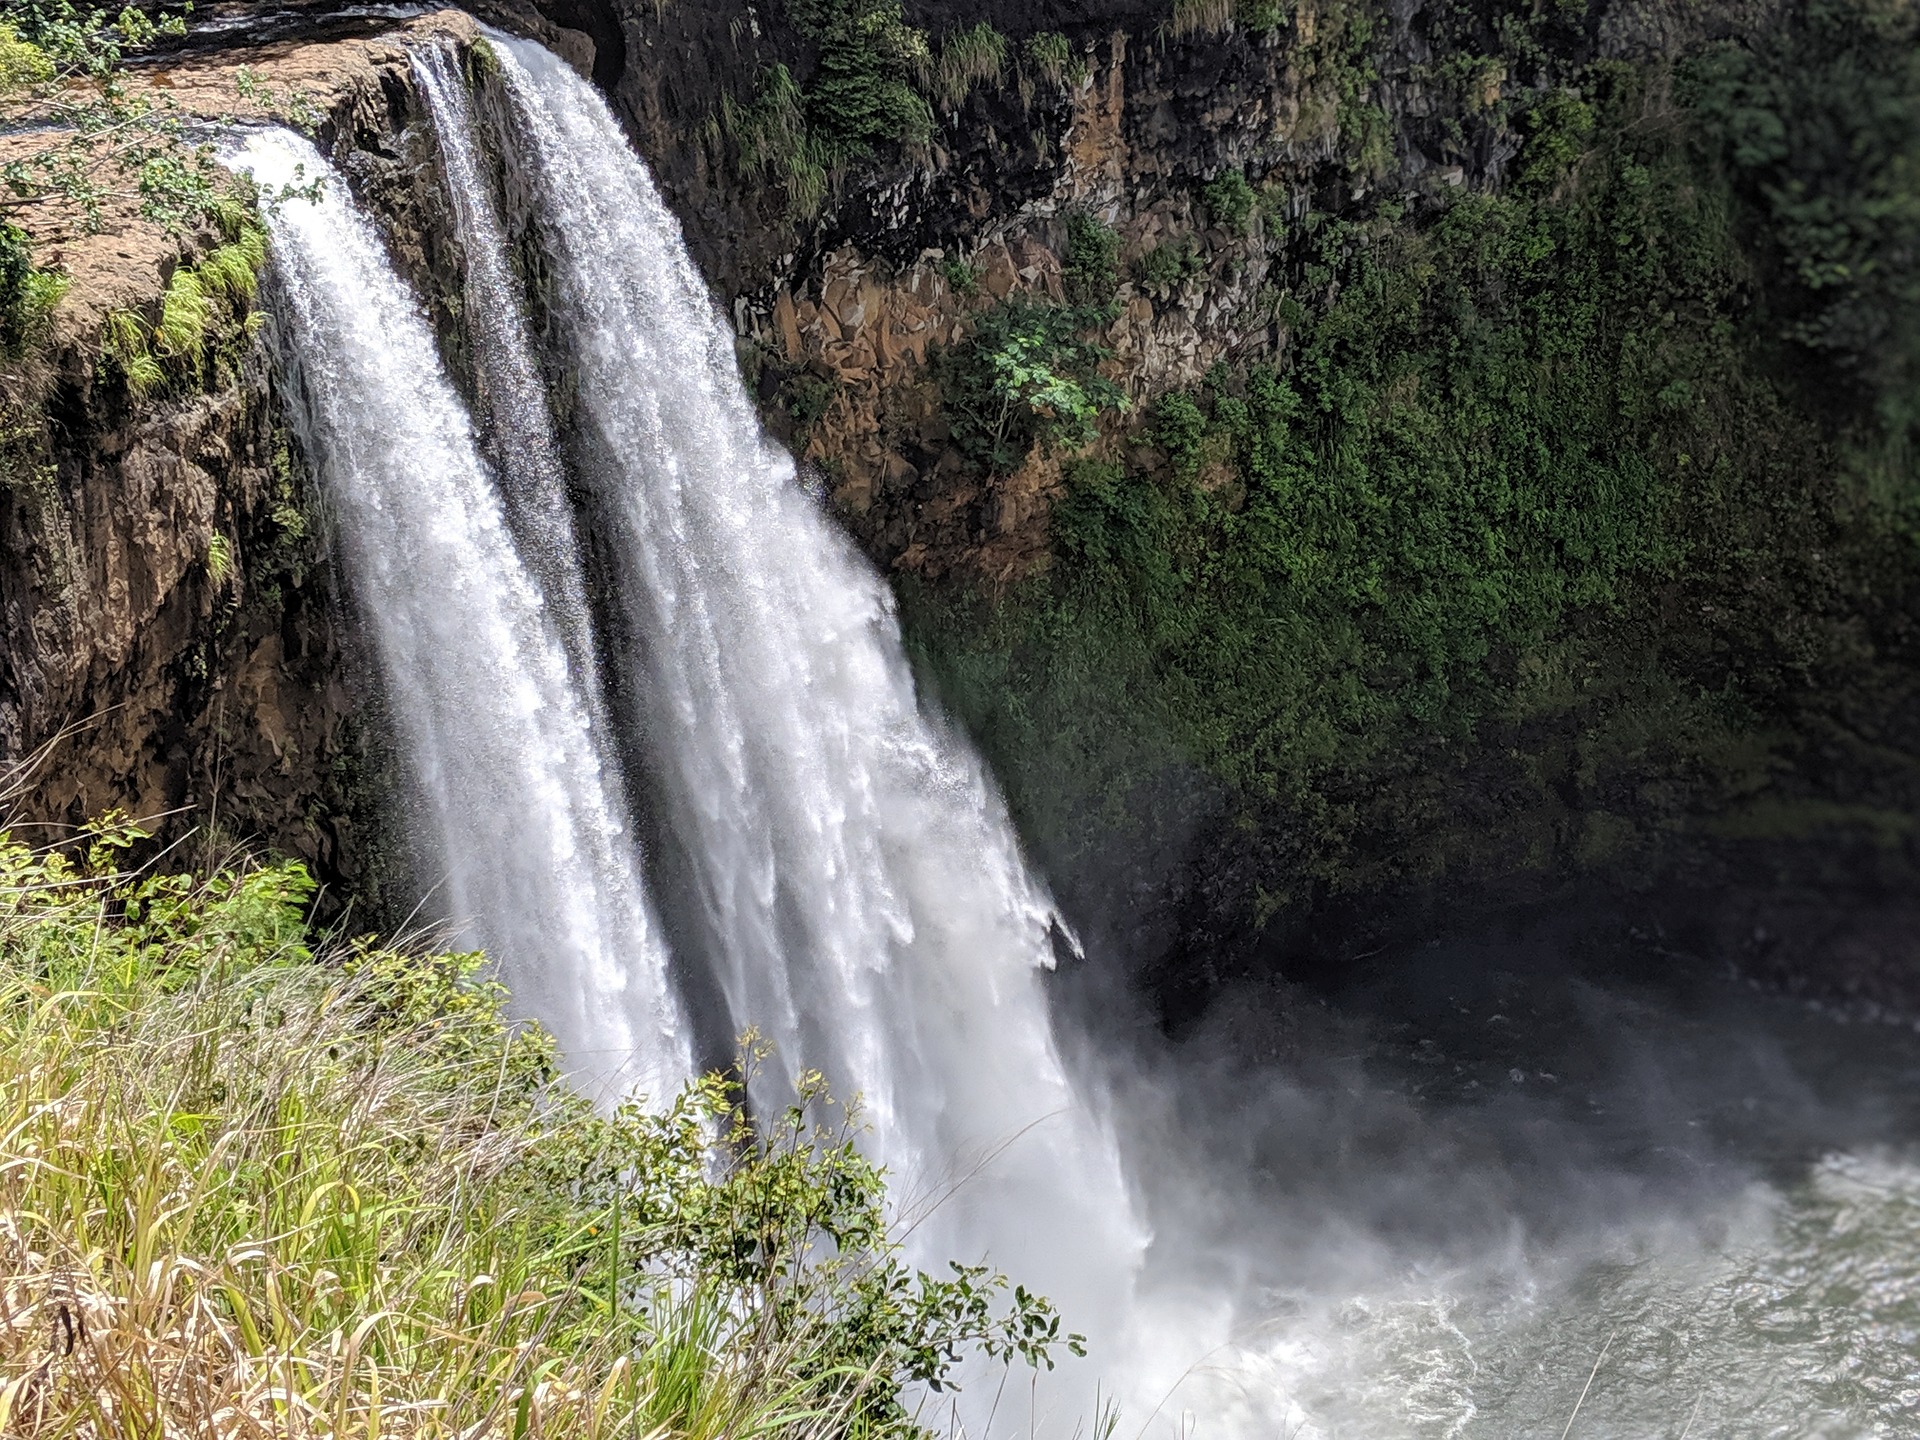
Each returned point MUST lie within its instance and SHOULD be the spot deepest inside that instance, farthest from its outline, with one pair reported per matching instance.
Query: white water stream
(536, 861)
(519, 437)
(863, 901)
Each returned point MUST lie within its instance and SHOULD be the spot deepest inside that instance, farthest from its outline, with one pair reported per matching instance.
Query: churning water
(1390, 1237)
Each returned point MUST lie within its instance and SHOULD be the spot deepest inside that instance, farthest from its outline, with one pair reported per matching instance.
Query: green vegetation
(970, 57)
(1520, 485)
(62, 77)
(1341, 72)
(863, 96)
(1818, 123)
(808, 398)
(1260, 16)
(1091, 270)
(61, 72)
(481, 61)
(1025, 375)
(248, 1186)
(203, 300)
(1055, 60)
(1167, 266)
(1229, 200)
(962, 277)
(771, 140)
(860, 101)
(27, 295)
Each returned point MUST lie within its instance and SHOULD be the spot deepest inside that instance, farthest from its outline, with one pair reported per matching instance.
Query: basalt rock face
(161, 667)
(178, 645)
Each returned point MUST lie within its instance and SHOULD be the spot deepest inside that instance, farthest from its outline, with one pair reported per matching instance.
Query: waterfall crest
(539, 867)
(863, 898)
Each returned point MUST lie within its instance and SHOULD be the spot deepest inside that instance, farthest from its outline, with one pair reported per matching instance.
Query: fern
(219, 558)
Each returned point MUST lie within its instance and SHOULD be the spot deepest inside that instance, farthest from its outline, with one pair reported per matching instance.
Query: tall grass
(772, 138)
(970, 57)
(252, 1186)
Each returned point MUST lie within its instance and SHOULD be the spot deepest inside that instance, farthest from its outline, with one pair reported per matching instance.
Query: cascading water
(864, 902)
(519, 435)
(539, 868)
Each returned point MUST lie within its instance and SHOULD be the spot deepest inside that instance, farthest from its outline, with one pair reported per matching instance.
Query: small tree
(1025, 376)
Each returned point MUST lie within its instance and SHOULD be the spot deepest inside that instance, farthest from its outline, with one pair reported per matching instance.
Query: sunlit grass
(252, 1186)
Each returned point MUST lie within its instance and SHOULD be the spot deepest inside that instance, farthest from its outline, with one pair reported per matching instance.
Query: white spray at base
(863, 900)
(539, 868)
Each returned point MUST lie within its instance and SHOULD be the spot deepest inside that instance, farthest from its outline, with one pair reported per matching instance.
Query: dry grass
(1204, 17)
(247, 1192)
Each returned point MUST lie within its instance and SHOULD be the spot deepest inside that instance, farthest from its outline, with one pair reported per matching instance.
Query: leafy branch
(62, 73)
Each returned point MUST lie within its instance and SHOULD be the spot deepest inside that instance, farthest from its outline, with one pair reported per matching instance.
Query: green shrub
(22, 63)
(1091, 268)
(93, 136)
(1025, 375)
(1167, 266)
(1229, 200)
(1559, 124)
(862, 98)
(808, 398)
(961, 276)
(27, 295)
(1818, 122)
(1259, 16)
(1179, 427)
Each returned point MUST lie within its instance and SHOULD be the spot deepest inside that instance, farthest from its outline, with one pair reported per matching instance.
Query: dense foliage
(1819, 125)
(1525, 461)
(252, 1185)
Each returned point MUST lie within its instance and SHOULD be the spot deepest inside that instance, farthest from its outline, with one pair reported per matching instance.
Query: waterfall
(519, 434)
(864, 903)
(854, 891)
(539, 867)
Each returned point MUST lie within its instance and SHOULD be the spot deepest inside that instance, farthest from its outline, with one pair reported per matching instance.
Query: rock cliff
(1642, 648)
